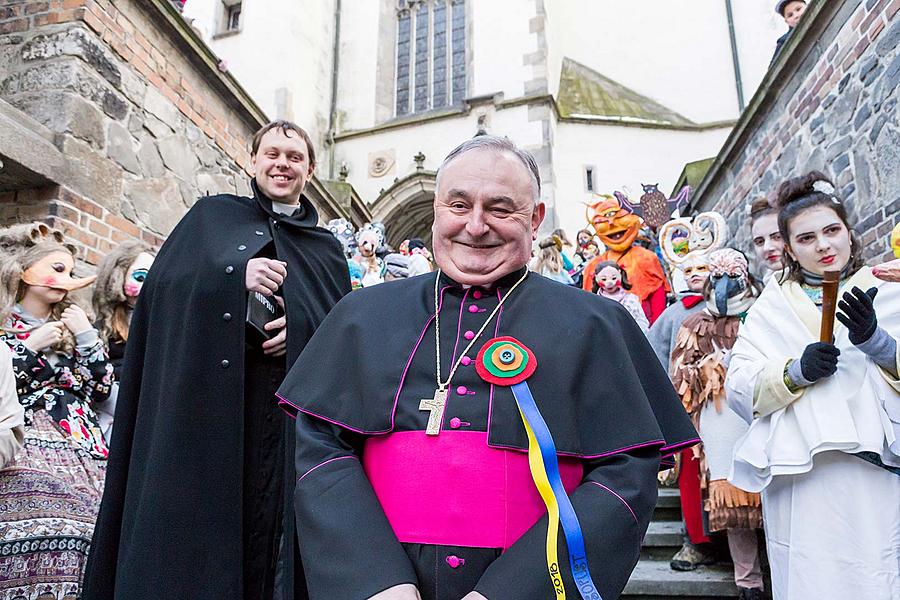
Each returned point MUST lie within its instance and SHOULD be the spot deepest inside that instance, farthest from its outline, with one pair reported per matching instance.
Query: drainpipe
(332, 115)
(734, 57)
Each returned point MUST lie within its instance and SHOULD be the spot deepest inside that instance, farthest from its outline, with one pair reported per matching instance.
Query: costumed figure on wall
(612, 282)
(618, 227)
(685, 244)
(815, 372)
(344, 231)
(120, 278)
(890, 271)
(369, 240)
(50, 491)
(699, 365)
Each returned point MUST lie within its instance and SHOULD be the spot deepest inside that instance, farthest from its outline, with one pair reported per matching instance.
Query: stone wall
(828, 103)
(143, 121)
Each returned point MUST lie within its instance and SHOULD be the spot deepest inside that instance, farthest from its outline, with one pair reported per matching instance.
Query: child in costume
(369, 239)
(824, 440)
(618, 229)
(698, 372)
(765, 237)
(685, 244)
(50, 492)
(549, 261)
(120, 278)
(612, 282)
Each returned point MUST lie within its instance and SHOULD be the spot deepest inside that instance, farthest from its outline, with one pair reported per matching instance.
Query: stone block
(160, 107)
(90, 174)
(156, 127)
(178, 156)
(210, 185)
(120, 148)
(65, 113)
(208, 155)
(77, 42)
(156, 203)
(148, 157)
(890, 39)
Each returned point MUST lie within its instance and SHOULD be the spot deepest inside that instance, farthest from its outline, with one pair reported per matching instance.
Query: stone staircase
(654, 580)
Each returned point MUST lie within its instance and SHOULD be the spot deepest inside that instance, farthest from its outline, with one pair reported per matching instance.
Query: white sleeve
(12, 415)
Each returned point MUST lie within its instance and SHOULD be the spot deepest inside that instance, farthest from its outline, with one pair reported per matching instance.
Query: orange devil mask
(55, 271)
(615, 226)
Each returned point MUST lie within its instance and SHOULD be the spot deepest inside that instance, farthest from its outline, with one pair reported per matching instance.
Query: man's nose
(476, 225)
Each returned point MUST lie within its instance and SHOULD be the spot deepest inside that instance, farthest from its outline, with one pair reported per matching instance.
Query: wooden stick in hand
(829, 304)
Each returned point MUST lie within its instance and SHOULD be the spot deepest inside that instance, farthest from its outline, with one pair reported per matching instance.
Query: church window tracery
(431, 54)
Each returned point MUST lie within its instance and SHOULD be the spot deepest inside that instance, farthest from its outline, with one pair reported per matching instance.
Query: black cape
(598, 385)
(170, 523)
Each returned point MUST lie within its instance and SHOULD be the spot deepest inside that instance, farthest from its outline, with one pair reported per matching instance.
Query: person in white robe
(823, 445)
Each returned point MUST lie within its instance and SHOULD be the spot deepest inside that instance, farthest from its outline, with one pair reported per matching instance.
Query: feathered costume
(699, 366)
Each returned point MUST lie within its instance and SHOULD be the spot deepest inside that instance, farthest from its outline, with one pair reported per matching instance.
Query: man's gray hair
(496, 144)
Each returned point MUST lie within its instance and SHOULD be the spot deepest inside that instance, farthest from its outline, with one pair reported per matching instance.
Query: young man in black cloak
(412, 474)
(201, 470)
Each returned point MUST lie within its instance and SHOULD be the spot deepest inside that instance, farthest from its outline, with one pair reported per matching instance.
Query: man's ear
(537, 217)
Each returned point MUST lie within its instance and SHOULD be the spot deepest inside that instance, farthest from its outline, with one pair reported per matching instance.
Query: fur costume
(699, 366)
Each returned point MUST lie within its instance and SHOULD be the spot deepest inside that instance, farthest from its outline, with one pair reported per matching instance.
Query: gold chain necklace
(438, 402)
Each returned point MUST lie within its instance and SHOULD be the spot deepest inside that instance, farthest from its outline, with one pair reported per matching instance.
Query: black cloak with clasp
(170, 524)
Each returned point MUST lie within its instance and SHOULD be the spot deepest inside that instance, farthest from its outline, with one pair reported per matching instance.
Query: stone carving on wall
(381, 163)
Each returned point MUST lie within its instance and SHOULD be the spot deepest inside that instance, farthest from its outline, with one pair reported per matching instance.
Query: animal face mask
(55, 271)
(615, 226)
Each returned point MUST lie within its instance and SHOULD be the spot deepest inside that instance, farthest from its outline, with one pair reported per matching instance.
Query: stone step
(654, 579)
(664, 534)
(668, 506)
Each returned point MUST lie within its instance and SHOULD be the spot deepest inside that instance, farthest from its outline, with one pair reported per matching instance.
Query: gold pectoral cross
(436, 405)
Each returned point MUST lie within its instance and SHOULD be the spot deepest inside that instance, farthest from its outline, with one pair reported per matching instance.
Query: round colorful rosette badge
(505, 361)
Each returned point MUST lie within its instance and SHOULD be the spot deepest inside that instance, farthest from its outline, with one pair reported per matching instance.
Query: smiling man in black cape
(413, 481)
(200, 468)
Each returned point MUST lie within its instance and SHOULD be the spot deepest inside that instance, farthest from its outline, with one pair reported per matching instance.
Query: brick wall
(829, 103)
(145, 122)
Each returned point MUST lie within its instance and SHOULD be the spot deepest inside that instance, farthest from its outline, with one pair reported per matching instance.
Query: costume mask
(730, 292)
(370, 238)
(686, 243)
(55, 271)
(343, 230)
(137, 273)
(609, 279)
(616, 227)
(654, 208)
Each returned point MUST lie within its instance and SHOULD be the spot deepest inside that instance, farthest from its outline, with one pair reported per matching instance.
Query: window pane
(422, 57)
(403, 43)
(439, 62)
(459, 50)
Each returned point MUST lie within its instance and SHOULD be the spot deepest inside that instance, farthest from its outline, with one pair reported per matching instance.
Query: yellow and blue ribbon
(506, 361)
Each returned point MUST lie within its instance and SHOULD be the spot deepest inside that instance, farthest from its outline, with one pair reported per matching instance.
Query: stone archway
(406, 208)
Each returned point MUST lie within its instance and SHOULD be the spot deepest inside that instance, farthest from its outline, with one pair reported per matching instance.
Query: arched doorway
(406, 208)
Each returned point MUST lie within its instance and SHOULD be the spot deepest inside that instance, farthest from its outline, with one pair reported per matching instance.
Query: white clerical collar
(284, 209)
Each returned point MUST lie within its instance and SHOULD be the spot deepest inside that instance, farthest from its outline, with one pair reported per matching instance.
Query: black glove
(858, 314)
(819, 360)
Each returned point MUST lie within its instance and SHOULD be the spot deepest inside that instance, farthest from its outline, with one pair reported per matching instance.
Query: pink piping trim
(670, 450)
(330, 460)
(634, 516)
(399, 387)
